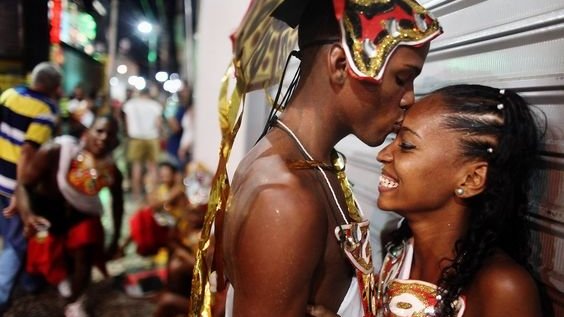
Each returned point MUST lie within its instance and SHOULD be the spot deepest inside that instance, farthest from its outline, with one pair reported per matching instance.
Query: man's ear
(474, 180)
(338, 67)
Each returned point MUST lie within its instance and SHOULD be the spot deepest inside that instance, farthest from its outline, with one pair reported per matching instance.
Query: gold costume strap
(201, 300)
(309, 164)
(352, 207)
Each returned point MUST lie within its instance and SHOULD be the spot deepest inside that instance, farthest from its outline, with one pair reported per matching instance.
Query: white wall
(217, 20)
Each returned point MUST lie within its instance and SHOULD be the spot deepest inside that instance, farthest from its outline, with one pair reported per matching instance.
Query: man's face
(57, 93)
(377, 109)
(166, 175)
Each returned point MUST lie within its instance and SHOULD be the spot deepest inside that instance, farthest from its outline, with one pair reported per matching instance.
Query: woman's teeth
(388, 182)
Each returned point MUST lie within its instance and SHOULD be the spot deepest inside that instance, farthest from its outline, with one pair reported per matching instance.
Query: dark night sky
(134, 11)
(131, 13)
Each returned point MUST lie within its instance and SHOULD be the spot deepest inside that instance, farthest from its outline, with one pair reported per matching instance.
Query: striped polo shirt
(25, 116)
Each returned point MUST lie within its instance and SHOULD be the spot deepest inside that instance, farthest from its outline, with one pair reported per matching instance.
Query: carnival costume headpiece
(371, 30)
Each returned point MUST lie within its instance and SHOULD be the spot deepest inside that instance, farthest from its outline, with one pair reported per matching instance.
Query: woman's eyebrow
(404, 128)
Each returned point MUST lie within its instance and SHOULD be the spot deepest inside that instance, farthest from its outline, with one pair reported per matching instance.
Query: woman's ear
(337, 64)
(475, 179)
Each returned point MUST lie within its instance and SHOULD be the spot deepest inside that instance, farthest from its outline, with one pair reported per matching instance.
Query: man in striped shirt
(27, 119)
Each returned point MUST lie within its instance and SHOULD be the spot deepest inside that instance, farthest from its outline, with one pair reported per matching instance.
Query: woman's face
(101, 138)
(423, 166)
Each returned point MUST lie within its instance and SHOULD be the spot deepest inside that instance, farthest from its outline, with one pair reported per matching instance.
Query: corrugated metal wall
(517, 44)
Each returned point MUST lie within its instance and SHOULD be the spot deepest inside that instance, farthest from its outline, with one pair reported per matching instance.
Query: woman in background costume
(61, 207)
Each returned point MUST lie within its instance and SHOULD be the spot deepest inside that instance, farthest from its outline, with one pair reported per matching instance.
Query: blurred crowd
(58, 155)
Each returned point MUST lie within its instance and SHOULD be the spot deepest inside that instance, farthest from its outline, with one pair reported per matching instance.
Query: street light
(144, 27)
(161, 76)
(122, 69)
(150, 34)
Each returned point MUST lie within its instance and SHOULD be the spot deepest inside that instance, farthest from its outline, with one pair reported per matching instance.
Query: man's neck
(39, 90)
(315, 126)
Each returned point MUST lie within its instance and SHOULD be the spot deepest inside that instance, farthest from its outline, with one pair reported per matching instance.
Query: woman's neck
(434, 245)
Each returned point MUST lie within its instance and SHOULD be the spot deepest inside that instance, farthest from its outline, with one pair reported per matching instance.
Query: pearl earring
(459, 191)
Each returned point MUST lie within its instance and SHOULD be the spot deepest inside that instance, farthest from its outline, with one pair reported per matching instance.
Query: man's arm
(116, 190)
(27, 153)
(123, 116)
(33, 167)
(38, 132)
(173, 124)
(279, 247)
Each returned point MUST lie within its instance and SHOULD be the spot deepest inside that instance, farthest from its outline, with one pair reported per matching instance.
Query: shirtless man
(280, 248)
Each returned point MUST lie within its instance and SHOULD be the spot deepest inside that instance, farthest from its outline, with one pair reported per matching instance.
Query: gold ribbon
(352, 207)
(201, 298)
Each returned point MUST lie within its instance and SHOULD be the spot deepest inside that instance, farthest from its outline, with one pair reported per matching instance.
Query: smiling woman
(458, 172)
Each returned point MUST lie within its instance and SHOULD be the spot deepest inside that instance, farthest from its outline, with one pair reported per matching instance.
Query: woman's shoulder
(501, 273)
(503, 284)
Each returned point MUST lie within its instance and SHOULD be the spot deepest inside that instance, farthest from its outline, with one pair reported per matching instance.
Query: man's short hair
(318, 22)
(46, 76)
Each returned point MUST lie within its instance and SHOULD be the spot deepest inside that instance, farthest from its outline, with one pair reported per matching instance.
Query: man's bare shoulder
(275, 232)
(266, 193)
(264, 182)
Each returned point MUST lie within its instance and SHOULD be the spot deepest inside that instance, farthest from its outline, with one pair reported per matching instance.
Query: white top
(406, 297)
(143, 117)
(351, 306)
